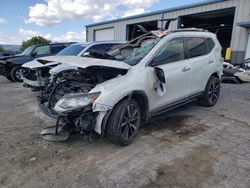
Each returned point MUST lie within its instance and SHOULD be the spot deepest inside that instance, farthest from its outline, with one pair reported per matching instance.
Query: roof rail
(189, 29)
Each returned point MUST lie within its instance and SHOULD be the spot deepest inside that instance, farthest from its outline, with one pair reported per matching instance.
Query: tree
(33, 41)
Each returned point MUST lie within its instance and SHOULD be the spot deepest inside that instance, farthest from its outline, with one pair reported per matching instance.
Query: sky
(65, 20)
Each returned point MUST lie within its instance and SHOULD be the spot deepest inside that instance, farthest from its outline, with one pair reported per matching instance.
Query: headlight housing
(75, 101)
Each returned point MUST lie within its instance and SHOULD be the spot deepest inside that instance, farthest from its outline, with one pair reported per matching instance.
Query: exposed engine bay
(72, 83)
(76, 81)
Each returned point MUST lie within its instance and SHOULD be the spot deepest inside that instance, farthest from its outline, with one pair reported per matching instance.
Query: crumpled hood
(37, 64)
(62, 67)
(84, 62)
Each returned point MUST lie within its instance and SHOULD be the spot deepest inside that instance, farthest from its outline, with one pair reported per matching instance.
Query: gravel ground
(192, 146)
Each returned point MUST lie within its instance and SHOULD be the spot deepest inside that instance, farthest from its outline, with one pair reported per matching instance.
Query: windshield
(133, 52)
(28, 50)
(73, 50)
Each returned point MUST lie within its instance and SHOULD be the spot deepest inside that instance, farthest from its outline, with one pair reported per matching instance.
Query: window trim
(151, 59)
(40, 47)
(188, 55)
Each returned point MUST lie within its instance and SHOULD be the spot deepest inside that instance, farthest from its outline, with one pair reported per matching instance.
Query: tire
(16, 73)
(211, 93)
(9, 78)
(122, 128)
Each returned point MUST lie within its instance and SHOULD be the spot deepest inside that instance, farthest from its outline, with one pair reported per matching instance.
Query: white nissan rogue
(147, 76)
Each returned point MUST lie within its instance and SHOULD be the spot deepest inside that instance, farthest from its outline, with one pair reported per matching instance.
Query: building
(230, 19)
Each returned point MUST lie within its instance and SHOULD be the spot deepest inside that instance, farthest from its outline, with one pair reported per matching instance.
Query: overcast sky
(65, 20)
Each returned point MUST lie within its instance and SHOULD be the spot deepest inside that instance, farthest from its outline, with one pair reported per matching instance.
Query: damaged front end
(75, 107)
(76, 113)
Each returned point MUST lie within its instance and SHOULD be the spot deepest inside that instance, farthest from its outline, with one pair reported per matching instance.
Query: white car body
(184, 79)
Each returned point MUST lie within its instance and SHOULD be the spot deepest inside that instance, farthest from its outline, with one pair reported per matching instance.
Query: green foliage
(33, 41)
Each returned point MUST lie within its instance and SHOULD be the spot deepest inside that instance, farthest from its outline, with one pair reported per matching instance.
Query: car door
(171, 60)
(200, 63)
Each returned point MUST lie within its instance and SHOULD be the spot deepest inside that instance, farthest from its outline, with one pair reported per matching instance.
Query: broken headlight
(75, 101)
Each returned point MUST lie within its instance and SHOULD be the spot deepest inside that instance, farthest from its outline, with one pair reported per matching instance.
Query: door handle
(185, 69)
(210, 61)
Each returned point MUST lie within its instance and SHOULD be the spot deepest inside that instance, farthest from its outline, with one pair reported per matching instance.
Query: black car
(11, 66)
(4, 54)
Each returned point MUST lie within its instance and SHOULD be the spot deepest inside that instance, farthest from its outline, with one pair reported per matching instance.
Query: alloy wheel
(214, 91)
(19, 73)
(129, 122)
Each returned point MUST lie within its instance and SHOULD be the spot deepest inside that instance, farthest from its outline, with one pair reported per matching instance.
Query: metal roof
(202, 3)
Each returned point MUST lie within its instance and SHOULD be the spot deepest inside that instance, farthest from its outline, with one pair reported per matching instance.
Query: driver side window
(42, 50)
(171, 52)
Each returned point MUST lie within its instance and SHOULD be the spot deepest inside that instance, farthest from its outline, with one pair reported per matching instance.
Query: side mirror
(85, 54)
(160, 74)
(34, 54)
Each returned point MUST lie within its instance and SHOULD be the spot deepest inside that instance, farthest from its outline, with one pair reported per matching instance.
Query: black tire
(16, 73)
(122, 128)
(211, 93)
(9, 78)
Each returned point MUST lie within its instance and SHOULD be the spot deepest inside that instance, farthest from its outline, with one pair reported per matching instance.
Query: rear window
(56, 48)
(73, 50)
(196, 46)
(210, 44)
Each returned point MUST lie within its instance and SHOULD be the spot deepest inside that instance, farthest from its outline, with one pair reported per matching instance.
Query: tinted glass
(196, 46)
(42, 50)
(28, 50)
(171, 52)
(210, 44)
(56, 48)
(74, 50)
(98, 48)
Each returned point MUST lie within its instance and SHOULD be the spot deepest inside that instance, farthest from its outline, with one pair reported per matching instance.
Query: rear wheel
(211, 93)
(17, 73)
(124, 122)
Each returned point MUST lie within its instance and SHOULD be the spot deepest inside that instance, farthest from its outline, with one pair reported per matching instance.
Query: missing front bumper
(32, 82)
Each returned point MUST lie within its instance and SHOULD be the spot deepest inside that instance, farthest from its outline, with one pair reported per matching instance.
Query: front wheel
(17, 73)
(124, 122)
(211, 93)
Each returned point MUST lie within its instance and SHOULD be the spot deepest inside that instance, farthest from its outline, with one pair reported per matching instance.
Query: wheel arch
(140, 97)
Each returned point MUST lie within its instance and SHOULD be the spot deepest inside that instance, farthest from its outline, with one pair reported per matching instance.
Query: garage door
(104, 34)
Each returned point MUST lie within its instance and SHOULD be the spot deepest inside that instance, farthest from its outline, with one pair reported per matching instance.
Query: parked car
(11, 66)
(236, 73)
(37, 75)
(45, 77)
(5, 54)
(148, 76)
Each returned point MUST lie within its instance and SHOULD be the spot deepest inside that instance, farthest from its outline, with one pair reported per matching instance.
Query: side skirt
(174, 105)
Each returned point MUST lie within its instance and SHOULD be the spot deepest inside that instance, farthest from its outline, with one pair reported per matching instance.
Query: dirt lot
(189, 147)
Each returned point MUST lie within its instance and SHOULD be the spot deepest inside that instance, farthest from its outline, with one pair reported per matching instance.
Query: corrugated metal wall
(238, 42)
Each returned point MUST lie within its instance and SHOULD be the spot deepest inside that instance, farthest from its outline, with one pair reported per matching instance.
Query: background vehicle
(236, 73)
(46, 77)
(4, 54)
(11, 66)
(150, 75)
